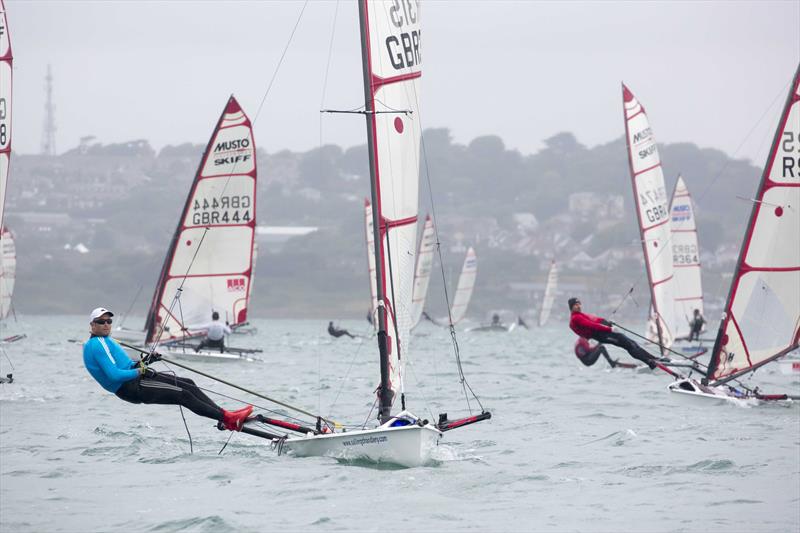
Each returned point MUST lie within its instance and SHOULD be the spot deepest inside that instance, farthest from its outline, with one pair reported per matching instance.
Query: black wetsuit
(211, 344)
(697, 327)
(338, 332)
(618, 339)
(589, 355)
(170, 390)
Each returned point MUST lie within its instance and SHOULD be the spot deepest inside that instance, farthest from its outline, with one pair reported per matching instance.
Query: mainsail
(652, 214)
(8, 256)
(422, 273)
(466, 282)
(390, 44)
(761, 319)
(549, 294)
(685, 259)
(210, 257)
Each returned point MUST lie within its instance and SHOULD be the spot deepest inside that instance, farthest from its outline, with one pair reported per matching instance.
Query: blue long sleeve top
(108, 363)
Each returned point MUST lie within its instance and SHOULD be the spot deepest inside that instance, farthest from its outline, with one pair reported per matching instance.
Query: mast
(7, 250)
(384, 392)
(761, 319)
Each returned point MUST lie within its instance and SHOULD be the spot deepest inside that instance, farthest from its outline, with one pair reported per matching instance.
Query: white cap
(97, 313)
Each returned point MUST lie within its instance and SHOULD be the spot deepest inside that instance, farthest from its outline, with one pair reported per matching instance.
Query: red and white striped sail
(393, 64)
(8, 256)
(549, 294)
(761, 321)
(370, 238)
(422, 273)
(211, 254)
(466, 283)
(652, 213)
(685, 259)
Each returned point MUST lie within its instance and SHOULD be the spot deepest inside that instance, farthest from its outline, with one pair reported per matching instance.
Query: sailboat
(686, 263)
(8, 256)
(422, 271)
(370, 240)
(549, 294)
(761, 318)
(652, 215)
(463, 294)
(209, 263)
(391, 80)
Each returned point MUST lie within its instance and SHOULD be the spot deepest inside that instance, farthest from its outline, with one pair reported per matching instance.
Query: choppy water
(568, 448)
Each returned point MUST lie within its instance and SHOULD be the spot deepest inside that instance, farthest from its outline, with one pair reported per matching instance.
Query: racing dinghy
(549, 294)
(210, 257)
(463, 294)
(652, 215)
(761, 317)
(391, 93)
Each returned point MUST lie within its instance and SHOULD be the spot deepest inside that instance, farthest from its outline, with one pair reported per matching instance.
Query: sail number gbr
(228, 209)
(653, 203)
(404, 49)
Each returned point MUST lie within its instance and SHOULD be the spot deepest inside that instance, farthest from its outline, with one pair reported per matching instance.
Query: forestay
(8, 256)
(212, 250)
(761, 320)
(466, 283)
(652, 214)
(422, 273)
(392, 72)
(549, 294)
(685, 259)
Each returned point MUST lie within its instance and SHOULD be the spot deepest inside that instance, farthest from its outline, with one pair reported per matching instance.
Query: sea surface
(568, 448)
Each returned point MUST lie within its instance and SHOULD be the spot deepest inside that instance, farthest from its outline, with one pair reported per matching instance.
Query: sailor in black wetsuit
(336, 332)
(697, 323)
(588, 354)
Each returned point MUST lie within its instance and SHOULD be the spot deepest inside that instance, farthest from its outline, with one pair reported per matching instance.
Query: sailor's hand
(145, 371)
(606, 322)
(615, 329)
(152, 358)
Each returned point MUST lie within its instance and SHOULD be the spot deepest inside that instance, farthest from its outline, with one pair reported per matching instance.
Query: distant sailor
(604, 331)
(336, 332)
(696, 324)
(215, 334)
(133, 382)
(495, 319)
(589, 353)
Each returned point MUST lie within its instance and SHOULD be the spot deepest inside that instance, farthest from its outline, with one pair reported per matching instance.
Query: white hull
(204, 355)
(493, 328)
(693, 392)
(131, 336)
(408, 446)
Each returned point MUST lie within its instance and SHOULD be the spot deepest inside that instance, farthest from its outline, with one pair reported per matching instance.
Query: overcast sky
(162, 70)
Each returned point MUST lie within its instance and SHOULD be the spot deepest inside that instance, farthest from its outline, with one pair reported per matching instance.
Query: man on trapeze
(338, 332)
(588, 354)
(604, 331)
(134, 382)
(215, 334)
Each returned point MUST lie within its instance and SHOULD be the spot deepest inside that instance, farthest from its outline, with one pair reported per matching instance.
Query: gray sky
(162, 70)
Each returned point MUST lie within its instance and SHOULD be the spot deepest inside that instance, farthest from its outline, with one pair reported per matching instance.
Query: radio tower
(49, 132)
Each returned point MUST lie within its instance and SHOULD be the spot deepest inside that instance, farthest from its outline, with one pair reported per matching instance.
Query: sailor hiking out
(604, 331)
(338, 332)
(215, 334)
(135, 382)
(589, 353)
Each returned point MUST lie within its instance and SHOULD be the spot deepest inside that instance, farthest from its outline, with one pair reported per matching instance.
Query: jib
(404, 52)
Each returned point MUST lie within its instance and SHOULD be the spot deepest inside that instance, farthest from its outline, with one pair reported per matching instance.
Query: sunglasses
(102, 321)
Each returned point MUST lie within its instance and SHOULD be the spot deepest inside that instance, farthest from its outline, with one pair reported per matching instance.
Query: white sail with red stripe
(549, 294)
(370, 239)
(8, 256)
(392, 72)
(422, 272)
(685, 259)
(652, 213)
(761, 320)
(211, 255)
(466, 283)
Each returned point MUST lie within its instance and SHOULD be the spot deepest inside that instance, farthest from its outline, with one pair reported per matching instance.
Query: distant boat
(466, 284)
(370, 240)
(652, 213)
(8, 271)
(210, 257)
(422, 271)
(549, 294)
(688, 282)
(761, 320)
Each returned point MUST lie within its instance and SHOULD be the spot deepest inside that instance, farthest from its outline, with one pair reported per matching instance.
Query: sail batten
(761, 319)
(652, 215)
(211, 254)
